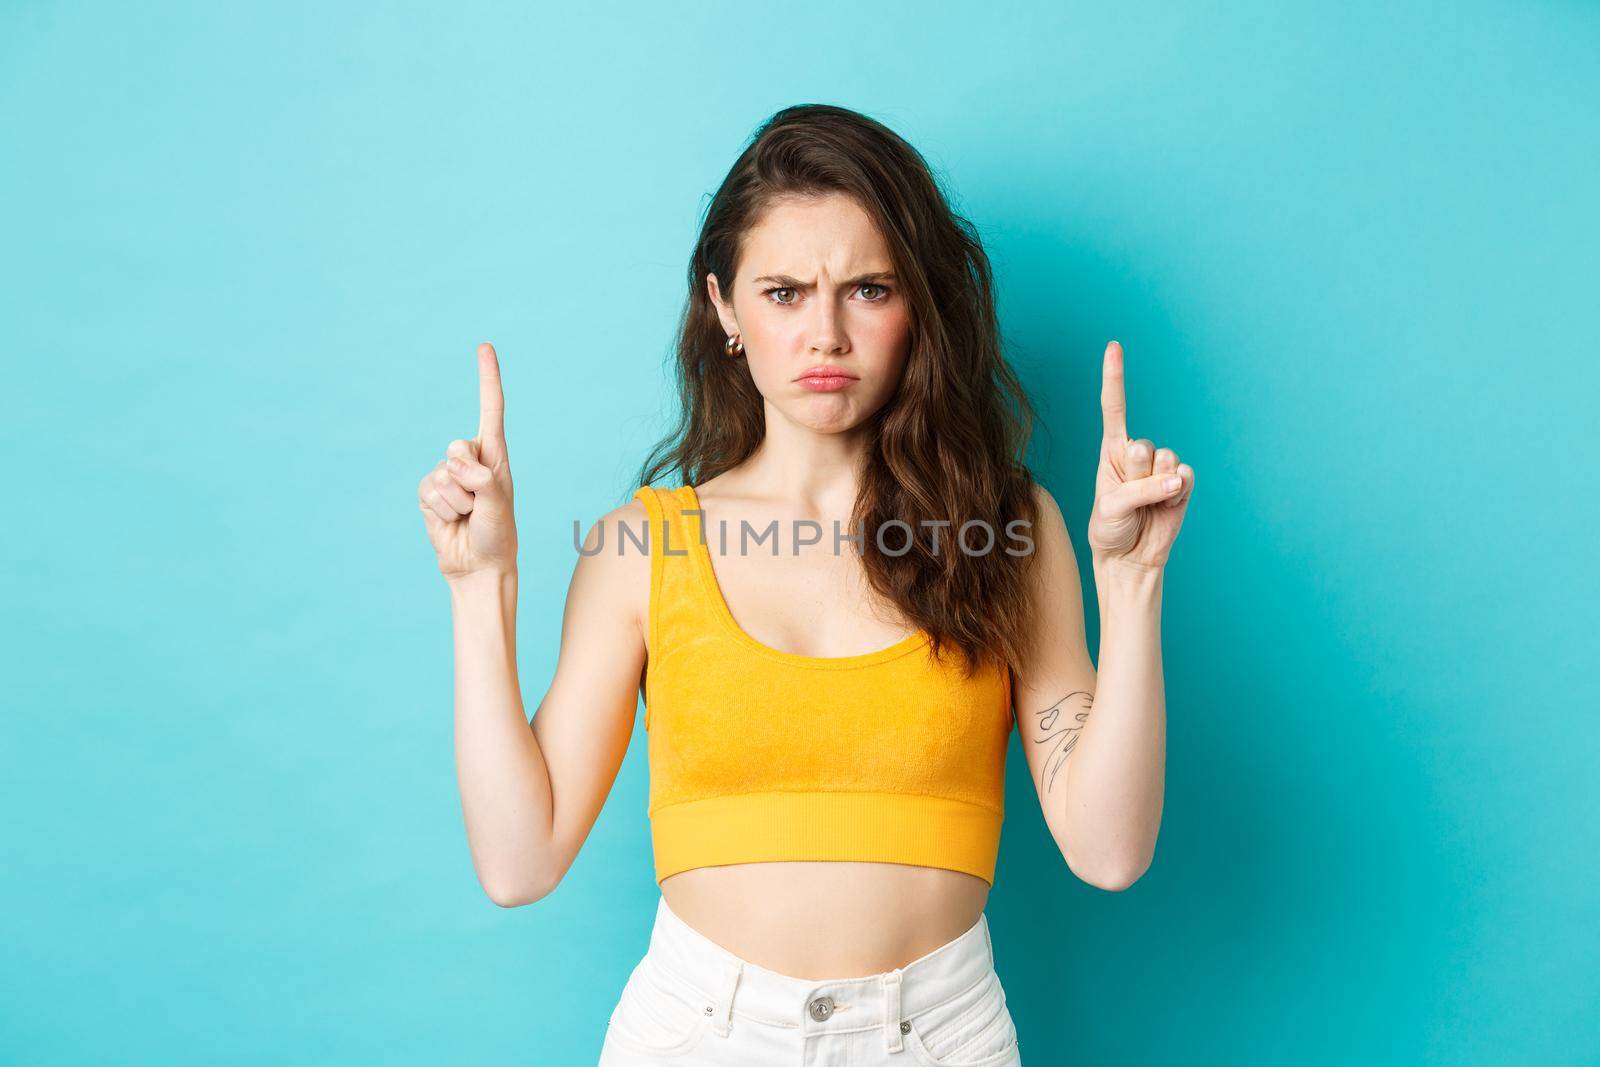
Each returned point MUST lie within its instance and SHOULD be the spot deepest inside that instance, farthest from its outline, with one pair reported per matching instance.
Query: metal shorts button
(821, 1008)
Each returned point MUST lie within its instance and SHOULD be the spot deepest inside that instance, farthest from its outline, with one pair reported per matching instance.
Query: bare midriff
(827, 920)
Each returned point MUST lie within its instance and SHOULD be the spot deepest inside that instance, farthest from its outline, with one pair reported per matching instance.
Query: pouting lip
(823, 371)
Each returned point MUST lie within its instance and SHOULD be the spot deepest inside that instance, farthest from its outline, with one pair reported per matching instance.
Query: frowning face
(815, 300)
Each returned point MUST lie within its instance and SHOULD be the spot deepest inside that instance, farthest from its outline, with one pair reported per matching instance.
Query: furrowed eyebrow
(795, 283)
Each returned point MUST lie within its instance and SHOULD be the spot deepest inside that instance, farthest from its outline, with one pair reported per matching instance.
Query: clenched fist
(466, 499)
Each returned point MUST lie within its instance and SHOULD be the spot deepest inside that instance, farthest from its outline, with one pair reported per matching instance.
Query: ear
(730, 324)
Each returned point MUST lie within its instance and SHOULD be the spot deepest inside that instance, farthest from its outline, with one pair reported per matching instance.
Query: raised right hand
(466, 499)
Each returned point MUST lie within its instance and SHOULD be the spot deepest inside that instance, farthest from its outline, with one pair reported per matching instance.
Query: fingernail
(456, 465)
(1170, 484)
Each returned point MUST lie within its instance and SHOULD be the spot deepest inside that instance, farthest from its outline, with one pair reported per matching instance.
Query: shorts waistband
(730, 984)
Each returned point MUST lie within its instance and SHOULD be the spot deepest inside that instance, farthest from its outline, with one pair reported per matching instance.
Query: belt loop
(722, 1010)
(892, 1039)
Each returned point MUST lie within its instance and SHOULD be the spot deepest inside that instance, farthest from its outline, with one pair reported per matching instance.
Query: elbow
(1114, 875)
(517, 895)
(1114, 881)
(503, 899)
(524, 881)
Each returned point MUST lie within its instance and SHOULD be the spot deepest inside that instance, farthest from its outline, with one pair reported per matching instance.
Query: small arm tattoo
(1061, 732)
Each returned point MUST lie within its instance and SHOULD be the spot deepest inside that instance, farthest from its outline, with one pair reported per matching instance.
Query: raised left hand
(1136, 516)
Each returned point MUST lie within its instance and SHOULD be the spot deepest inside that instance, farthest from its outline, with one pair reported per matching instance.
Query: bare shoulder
(1046, 501)
(1051, 540)
(613, 568)
(1057, 619)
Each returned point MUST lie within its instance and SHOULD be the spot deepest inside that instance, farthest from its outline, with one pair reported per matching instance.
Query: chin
(826, 418)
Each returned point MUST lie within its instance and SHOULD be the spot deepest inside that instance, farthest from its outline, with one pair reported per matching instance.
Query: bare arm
(505, 786)
(530, 793)
(1115, 794)
(1096, 740)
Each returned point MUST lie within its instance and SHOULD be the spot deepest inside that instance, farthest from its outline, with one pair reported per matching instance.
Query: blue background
(1351, 252)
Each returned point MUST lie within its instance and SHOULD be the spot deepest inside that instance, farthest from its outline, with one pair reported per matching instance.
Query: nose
(827, 334)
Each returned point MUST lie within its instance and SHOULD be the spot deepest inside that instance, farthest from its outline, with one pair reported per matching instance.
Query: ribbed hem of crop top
(915, 829)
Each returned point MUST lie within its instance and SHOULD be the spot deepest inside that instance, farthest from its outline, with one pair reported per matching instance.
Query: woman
(827, 725)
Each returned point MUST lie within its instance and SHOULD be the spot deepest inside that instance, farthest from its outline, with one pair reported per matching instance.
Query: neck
(815, 473)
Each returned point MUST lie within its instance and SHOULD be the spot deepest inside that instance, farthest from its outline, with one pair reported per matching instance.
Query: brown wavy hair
(949, 443)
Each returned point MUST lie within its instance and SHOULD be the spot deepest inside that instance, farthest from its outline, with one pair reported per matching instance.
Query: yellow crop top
(759, 755)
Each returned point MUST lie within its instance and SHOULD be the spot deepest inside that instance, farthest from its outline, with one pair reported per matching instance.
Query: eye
(882, 292)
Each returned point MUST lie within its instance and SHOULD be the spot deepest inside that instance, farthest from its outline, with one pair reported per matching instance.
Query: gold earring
(733, 346)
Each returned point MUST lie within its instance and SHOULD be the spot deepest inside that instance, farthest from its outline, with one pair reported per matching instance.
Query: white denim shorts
(691, 1001)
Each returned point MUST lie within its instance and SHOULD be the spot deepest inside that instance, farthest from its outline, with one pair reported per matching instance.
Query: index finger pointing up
(1113, 397)
(491, 400)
